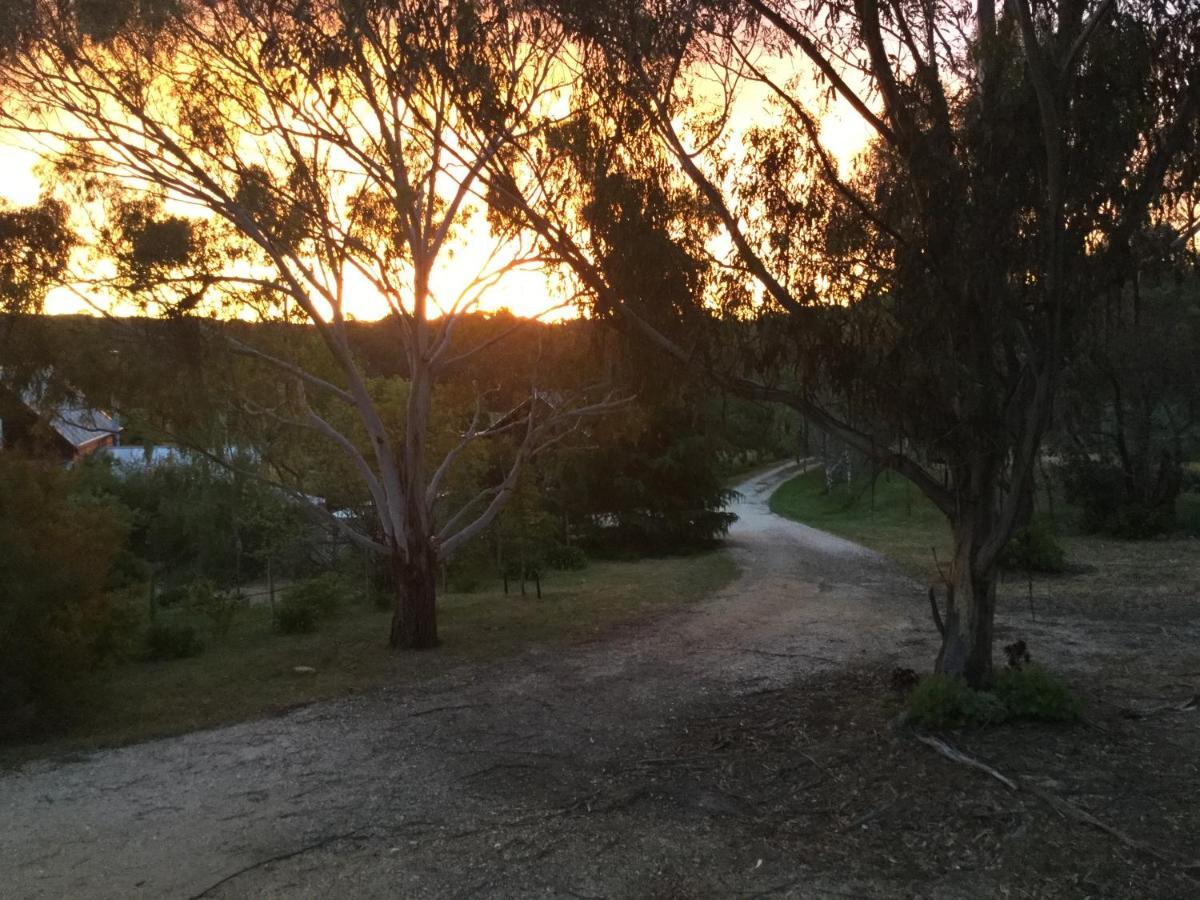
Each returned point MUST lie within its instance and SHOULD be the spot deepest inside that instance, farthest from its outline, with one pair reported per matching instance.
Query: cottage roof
(77, 424)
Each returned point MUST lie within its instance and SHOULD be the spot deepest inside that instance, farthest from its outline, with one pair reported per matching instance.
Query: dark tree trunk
(414, 617)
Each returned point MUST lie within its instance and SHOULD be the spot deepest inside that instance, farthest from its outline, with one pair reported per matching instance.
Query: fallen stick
(1070, 810)
(1188, 705)
(962, 759)
(278, 858)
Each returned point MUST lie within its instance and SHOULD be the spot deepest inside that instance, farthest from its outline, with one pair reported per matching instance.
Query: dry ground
(741, 747)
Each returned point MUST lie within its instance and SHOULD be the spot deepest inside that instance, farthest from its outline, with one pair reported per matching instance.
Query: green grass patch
(898, 521)
(252, 670)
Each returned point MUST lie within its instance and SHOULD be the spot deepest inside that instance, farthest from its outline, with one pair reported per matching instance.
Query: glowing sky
(525, 292)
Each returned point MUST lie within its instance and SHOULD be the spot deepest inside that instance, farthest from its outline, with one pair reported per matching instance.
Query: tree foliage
(57, 551)
(651, 484)
(1131, 406)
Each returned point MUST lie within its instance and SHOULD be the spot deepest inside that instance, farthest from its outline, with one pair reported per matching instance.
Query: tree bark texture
(969, 623)
(414, 616)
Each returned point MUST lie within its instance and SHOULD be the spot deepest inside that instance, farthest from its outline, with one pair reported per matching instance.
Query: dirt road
(591, 772)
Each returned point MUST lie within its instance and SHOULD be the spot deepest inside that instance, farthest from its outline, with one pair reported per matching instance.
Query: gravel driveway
(533, 776)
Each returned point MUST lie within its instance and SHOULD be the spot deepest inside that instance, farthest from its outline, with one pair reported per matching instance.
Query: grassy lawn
(900, 524)
(251, 671)
(1156, 579)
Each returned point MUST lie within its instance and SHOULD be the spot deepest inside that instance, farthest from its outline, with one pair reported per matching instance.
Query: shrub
(1033, 693)
(1110, 505)
(165, 641)
(458, 581)
(566, 557)
(57, 551)
(943, 701)
(171, 597)
(194, 519)
(296, 617)
(123, 635)
(1034, 548)
(1190, 479)
(325, 594)
(219, 607)
(306, 603)
(1030, 693)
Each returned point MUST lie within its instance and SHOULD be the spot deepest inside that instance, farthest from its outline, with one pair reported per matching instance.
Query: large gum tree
(281, 159)
(919, 303)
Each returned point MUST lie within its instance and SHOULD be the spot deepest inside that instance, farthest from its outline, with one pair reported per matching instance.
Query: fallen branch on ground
(781, 655)
(1189, 705)
(962, 759)
(438, 709)
(307, 848)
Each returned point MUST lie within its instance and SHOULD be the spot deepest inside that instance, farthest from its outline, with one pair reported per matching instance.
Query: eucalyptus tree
(283, 160)
(919, 302)
(35, 248)
(35, 243)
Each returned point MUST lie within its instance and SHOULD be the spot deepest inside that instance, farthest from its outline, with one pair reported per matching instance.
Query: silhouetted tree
(920, 304)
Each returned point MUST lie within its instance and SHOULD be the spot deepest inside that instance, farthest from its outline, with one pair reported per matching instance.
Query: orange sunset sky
(525, 292)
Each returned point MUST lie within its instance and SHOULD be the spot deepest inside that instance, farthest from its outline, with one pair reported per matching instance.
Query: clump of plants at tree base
(1030, 693)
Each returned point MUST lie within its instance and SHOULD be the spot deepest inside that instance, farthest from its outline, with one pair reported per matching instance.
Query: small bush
(1033, 693)
(1110, 505)
(325, 594)
(459, 583)
(1034, 548)
(1030, 693)
(123, 636)
(565, 558)
(1190, 479)
(296, 617)
(305, 604)
(220, 607)
(942, 701)
(164, 642)
(57, 552)
(171, 597)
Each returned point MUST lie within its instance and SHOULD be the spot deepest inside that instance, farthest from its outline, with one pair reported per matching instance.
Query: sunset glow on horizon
(524, 291)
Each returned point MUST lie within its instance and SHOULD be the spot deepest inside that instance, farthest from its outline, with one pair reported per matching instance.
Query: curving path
(504, 779)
